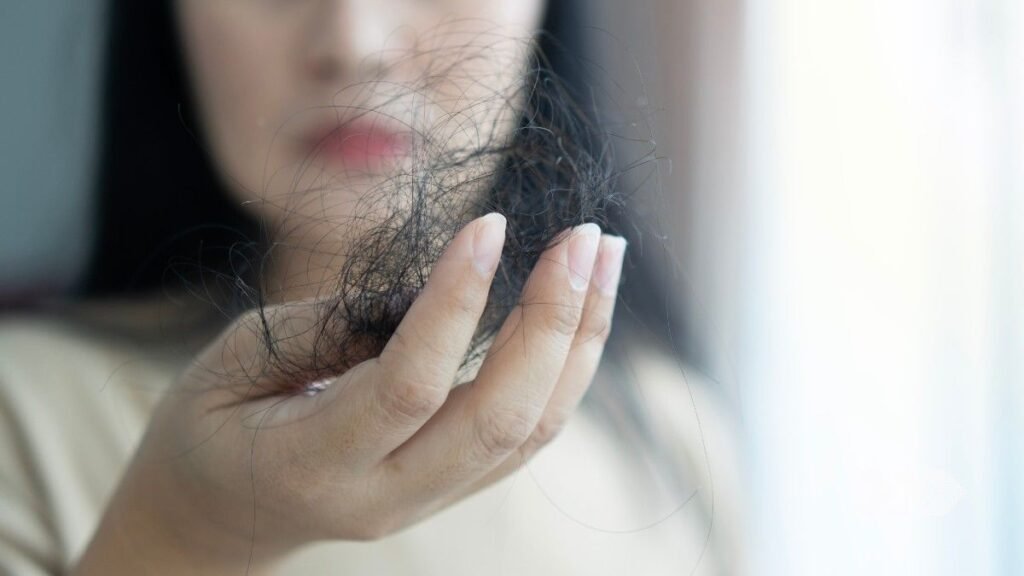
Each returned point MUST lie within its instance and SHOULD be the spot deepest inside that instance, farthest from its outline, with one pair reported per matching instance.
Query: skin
(390, 442)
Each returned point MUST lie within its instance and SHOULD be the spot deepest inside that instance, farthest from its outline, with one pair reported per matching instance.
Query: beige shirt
(74, 402)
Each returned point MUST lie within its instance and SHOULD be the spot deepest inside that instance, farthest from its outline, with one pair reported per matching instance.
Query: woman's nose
(351, 38)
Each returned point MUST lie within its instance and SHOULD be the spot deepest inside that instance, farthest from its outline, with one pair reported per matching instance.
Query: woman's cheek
(239, 67)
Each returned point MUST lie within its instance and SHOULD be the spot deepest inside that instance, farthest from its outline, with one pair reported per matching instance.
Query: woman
(363, 393)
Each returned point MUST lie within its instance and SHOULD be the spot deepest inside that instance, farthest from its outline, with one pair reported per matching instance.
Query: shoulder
(86, 347)
(61, 358)
(85, 371)
(66, 382)
(686, 403)
(74, 400)
(700, 427)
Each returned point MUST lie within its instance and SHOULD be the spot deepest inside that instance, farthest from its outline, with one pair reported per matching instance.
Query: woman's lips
(358, 144)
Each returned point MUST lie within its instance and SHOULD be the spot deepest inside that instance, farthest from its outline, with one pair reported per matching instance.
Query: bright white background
(849, 180)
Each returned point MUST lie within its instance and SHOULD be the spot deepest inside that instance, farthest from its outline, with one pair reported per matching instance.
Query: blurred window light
(881, 356)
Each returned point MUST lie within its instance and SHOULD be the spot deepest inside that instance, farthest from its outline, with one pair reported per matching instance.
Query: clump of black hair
(554, 171)
(164, 221)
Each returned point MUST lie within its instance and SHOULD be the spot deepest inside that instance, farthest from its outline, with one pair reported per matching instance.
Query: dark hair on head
(159, 198)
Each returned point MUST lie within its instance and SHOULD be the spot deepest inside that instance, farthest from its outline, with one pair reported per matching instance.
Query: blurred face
(308, 106)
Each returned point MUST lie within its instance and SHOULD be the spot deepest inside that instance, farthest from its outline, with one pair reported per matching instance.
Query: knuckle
(412, 337)
(253, 317)
(466, 300)
(595, 327)
(499, 432)
(408, 399)
(562, 319)
(547, 430)
(246, 330)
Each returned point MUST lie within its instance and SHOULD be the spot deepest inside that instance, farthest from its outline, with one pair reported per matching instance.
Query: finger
(580, 367)
(389, 398)
(499, 410)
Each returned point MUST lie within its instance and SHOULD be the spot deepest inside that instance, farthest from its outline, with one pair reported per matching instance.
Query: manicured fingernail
(583, 243)
(609, 264)
(488, 242)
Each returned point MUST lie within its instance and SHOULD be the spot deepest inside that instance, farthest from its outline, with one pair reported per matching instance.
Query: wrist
(150, 528)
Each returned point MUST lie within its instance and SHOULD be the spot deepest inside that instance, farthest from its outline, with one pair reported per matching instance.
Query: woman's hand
(218, 484)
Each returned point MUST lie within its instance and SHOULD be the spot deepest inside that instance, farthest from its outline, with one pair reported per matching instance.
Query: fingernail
(488, 242)
(582, 250)
(609, 264)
